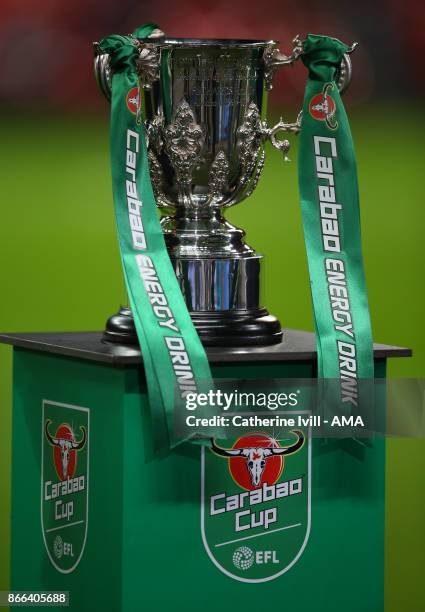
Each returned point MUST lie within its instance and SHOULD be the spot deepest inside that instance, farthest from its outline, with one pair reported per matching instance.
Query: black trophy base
(237, 328)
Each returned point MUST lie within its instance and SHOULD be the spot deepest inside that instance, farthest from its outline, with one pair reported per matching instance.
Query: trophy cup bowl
(204, 104)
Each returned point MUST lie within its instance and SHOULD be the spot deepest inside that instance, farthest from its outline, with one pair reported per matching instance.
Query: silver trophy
(204, 104)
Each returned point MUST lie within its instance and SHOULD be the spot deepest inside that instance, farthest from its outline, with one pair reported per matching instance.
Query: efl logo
(244, 558)
(322, 107)
(61, 548)
(133, 100)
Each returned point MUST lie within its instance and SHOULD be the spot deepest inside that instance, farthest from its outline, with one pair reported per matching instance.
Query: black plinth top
(295, 346)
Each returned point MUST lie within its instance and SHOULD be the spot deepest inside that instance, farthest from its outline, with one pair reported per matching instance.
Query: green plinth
(137, 536)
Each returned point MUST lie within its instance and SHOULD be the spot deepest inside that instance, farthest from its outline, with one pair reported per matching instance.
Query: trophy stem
(219, 276)
(222, 296)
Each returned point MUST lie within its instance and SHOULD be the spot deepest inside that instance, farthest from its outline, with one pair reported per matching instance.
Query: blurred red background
(45, 46)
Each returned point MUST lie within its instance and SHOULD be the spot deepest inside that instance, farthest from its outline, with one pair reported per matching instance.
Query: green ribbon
(330, 212)
(173, 356)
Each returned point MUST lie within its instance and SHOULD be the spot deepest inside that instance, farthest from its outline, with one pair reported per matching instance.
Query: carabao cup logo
(133, 100)
(64, 483)
(253, 486)
(322, 107)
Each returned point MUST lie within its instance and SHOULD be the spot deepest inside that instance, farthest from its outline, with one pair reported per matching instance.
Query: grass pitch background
(60, 270)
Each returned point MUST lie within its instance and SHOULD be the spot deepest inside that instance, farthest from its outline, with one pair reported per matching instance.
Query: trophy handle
(282, 145)
(102, 71)
(147, 65)
(274, 60)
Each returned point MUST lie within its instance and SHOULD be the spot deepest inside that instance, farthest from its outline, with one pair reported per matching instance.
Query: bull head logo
(326, 107)
(256, 457)
(65, 446)
(133, 100)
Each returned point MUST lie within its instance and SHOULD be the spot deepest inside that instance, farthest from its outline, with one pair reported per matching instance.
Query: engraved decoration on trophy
(157, 179)
(147, 65)
(250, 136)
(218, 178)
(183, 143)
(203, 103)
